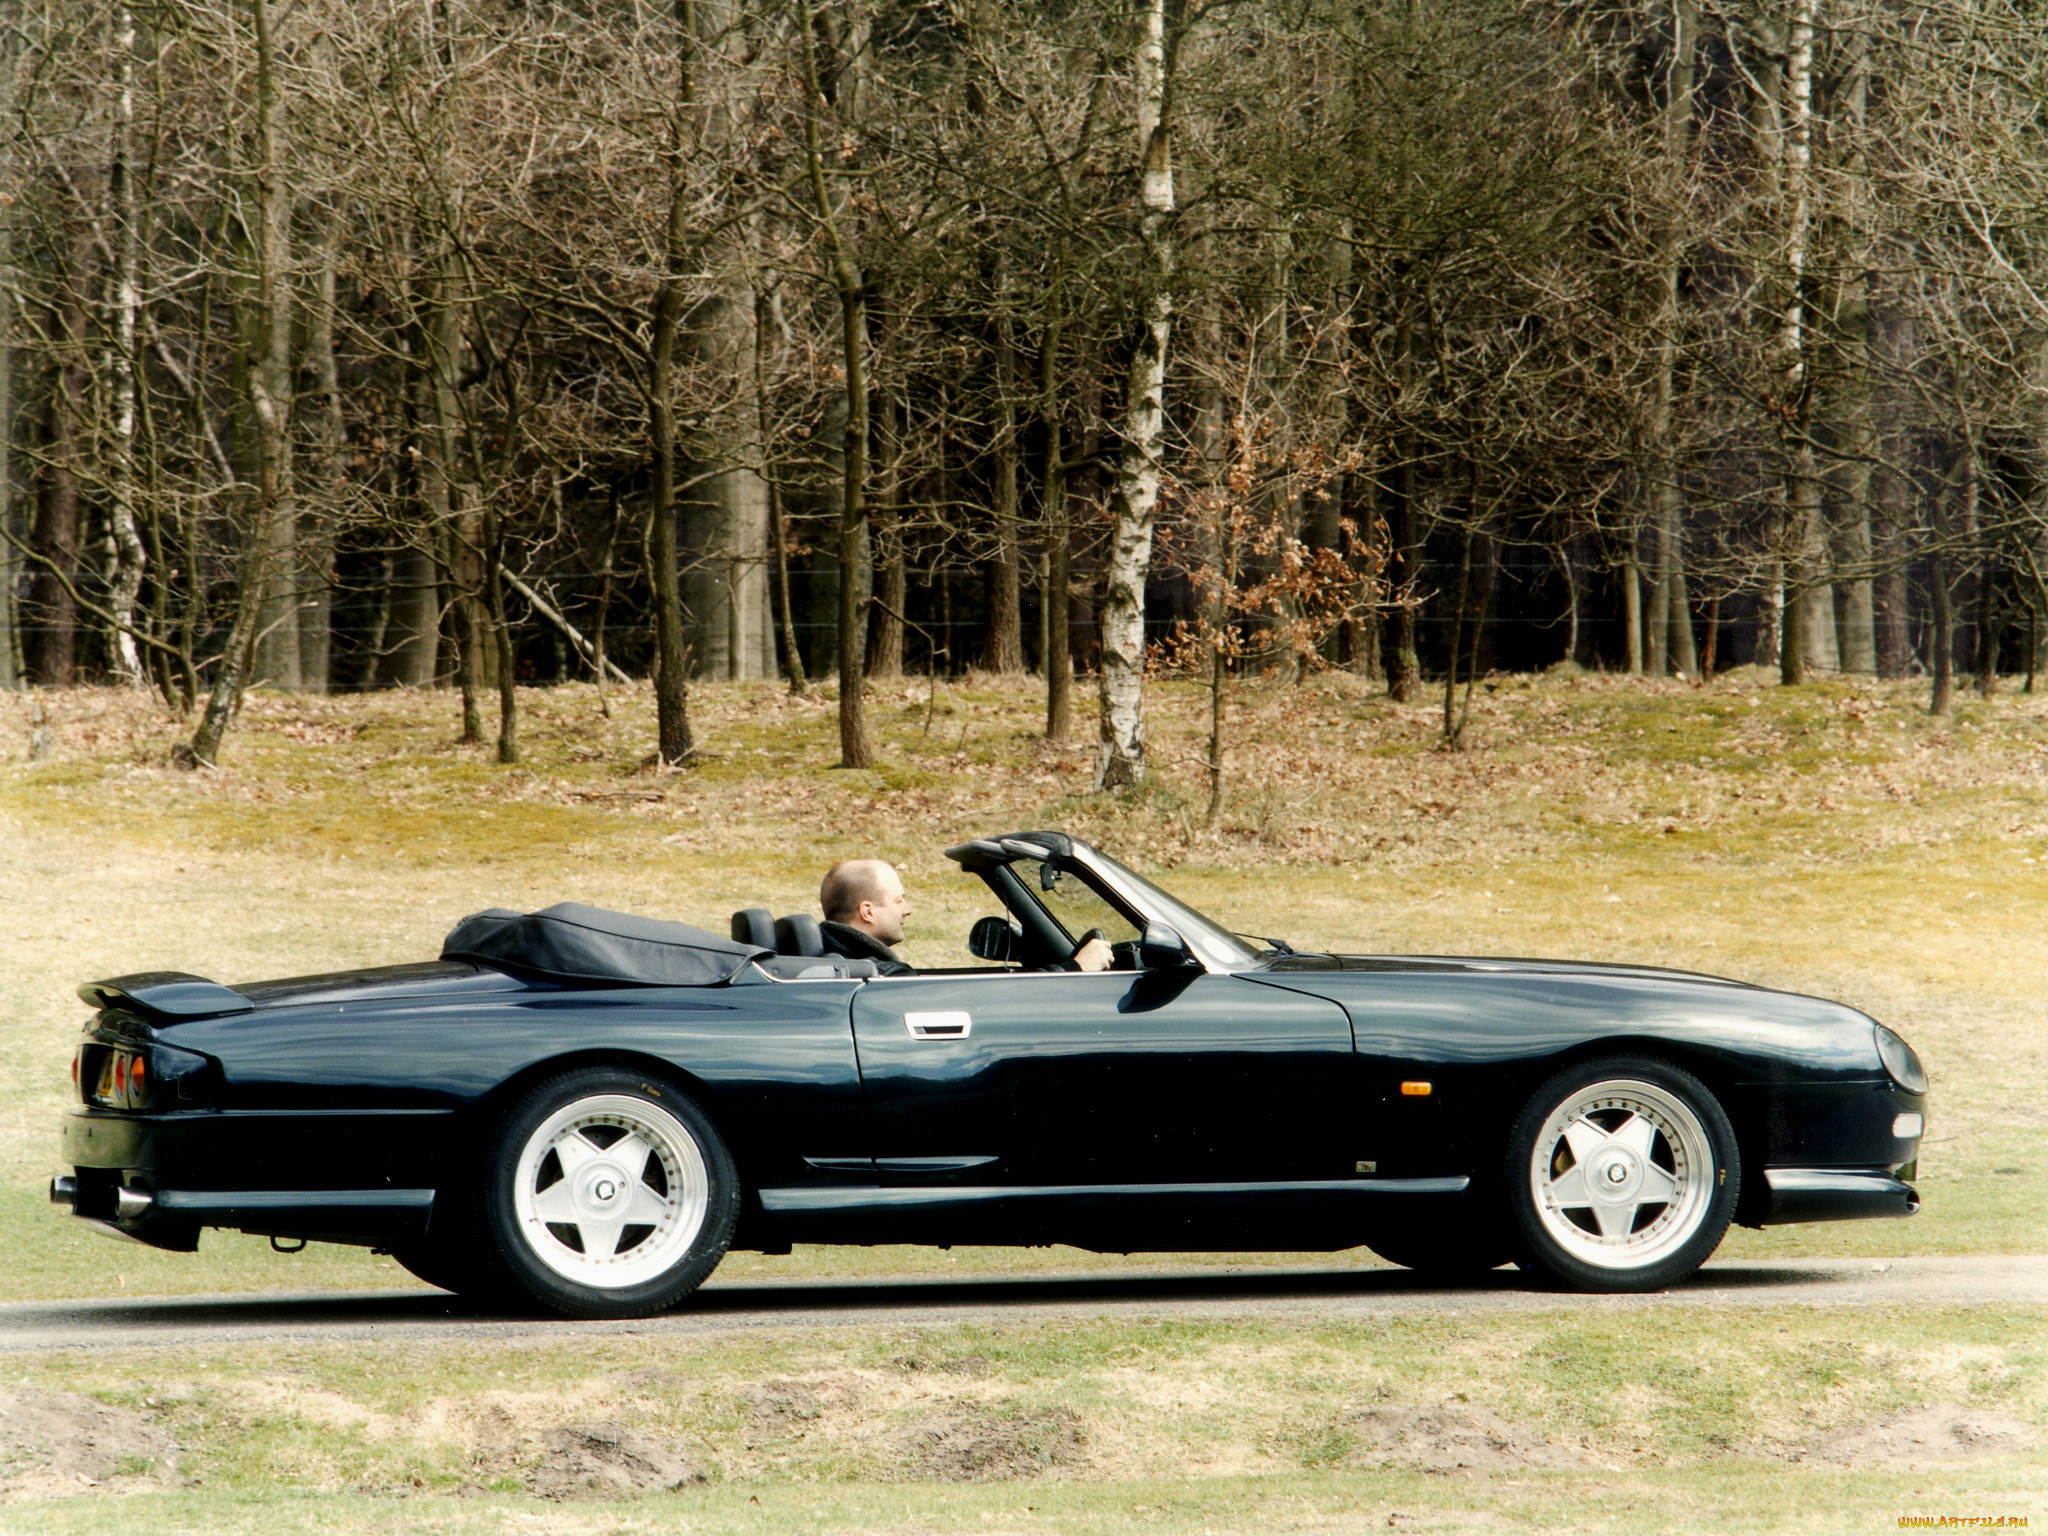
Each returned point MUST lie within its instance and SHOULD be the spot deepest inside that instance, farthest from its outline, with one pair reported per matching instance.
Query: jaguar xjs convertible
(582, 1110)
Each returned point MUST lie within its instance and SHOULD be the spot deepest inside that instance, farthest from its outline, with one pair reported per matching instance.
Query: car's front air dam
(1836, 1194)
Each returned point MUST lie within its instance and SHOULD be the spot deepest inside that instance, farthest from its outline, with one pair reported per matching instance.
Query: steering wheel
(1073, 955)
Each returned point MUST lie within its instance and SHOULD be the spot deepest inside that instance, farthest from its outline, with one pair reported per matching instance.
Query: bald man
(865, 908)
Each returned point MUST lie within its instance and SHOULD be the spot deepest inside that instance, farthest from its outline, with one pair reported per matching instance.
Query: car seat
(755, 926)
(798, 934)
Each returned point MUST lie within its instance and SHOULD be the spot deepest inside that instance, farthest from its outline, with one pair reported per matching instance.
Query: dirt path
(334, 1316)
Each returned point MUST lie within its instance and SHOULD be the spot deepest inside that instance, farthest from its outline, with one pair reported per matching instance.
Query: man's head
(866, 894)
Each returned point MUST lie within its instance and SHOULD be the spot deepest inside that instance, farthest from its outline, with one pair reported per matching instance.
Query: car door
(1175, 1077)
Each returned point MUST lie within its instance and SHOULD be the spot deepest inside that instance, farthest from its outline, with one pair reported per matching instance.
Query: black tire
(685, 1167)
(1648, 1129)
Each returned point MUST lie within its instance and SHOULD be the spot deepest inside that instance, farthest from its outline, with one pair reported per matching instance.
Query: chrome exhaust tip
(64, 1191)
(131, 1204)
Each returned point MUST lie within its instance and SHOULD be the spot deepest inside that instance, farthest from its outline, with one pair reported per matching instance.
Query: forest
(479, 344)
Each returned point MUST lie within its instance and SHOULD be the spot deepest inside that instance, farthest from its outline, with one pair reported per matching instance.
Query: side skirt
(1310, 1216)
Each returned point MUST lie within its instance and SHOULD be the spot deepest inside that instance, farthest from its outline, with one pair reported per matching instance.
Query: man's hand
(1095, 955)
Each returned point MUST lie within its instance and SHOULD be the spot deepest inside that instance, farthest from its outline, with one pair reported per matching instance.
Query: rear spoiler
(166, 995)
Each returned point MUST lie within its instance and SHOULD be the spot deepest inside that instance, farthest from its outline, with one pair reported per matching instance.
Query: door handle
(946, 1025)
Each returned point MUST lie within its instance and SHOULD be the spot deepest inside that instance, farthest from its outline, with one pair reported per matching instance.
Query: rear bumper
(172, 1218)
(1836, 1194)
(161, 1178)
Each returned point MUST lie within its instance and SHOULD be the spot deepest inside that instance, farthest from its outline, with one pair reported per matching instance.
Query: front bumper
(1836, 1194)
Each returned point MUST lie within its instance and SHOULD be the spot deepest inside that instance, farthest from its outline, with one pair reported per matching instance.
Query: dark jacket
(846, 940)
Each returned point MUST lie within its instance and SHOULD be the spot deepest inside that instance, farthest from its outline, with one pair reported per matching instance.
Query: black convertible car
(584, 1110)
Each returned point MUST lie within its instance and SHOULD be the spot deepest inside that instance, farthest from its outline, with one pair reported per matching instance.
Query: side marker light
(1417, 1090)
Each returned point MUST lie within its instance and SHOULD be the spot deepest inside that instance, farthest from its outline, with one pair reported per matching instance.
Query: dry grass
(1830, 839)
(1530, 1421)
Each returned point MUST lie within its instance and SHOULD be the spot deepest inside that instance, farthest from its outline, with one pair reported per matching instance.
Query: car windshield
(1217, 945)
(1072, 902)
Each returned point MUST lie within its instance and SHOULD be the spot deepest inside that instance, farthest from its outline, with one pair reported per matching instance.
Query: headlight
(1899, 1060)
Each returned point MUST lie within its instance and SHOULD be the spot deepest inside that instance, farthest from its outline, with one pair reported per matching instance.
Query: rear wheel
(1622, 1174)
(608, 1195)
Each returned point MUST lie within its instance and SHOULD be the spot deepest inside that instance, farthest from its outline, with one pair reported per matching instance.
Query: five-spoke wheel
(609, 1195)
(1622, 1174)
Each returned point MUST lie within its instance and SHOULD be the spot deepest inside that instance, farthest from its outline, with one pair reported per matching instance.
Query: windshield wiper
(1278, 946)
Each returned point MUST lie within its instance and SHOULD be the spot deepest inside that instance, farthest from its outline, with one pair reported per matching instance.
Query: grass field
(1830, 839)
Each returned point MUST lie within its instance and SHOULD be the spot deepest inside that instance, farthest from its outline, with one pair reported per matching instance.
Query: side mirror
(995, 938)
(1161, 949)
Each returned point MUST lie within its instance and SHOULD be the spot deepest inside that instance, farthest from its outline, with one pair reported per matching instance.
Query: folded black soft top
(572, 942)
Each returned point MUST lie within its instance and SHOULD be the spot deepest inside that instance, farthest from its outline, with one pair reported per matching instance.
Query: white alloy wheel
(610, 1191)
(1622, 1174)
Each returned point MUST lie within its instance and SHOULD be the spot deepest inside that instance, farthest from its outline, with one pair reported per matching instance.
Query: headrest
(755, 926)
(797, 934)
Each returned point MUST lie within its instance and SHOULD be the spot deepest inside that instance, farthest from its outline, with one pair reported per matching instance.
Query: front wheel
(1622, 1175)
(609, 1195)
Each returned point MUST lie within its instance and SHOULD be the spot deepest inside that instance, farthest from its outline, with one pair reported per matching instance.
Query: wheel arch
(680, 1078)
(491, 1105)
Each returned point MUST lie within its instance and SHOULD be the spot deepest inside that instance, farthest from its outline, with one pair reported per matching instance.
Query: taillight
(124, 1081)
(155, 1078)
(74, 1065)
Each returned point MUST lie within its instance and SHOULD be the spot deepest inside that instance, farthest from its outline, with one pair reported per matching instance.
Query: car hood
(1492, 965)
(1475, 1008)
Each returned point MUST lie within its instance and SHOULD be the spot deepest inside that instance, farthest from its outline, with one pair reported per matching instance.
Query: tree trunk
(1225, 566)
(501, 634)
(1807, 641)
(453, 519)
(326, 442)
(270, 391)
(725, 513)
(124, 583)
(1452, 726)
(1990, 628)
(1889, 603)
(1671, 645)
(1058, 660)
(412, 640)
(778, 531)
(892, 584)
(1002, 648)
(1404, 662)
(50, 639)
(673, 740)
(855, 750)
(1632, 609)
(1136, 499)
(10, 633)
(1943, 644)
(892, 579)
(1852, 432)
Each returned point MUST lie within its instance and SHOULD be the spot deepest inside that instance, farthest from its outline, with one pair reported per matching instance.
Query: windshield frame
(1214, 945)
